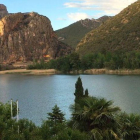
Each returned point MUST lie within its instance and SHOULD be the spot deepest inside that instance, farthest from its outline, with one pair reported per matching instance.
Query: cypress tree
(79, 91)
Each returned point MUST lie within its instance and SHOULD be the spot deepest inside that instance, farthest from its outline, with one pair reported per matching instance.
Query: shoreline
(30, 72)
(90, 71)
(111, 72)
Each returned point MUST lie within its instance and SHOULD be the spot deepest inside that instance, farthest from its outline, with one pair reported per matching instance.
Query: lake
(38, 94)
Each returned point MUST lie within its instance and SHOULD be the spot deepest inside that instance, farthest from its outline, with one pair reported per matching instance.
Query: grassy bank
(32, 72)
(107, 71)
(90, 71)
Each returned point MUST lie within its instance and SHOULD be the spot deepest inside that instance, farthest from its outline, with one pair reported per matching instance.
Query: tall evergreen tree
(79, 90)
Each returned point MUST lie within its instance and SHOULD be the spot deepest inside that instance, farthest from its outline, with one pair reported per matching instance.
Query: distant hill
(121, 32)
(76, 31)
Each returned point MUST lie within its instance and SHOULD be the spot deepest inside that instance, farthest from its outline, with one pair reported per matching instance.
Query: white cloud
(61, 19)
(77, 16)
(107, 6)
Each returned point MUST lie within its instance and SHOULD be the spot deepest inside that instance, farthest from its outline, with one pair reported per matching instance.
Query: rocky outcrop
(28, 36)
(3, 11)
(94, 23)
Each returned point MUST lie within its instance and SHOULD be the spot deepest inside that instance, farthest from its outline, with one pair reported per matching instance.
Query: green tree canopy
(56, 115)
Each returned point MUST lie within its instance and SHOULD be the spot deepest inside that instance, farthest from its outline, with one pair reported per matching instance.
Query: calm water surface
(38, 94)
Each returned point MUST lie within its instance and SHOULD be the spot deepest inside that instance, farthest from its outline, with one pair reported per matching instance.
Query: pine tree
(56, 116)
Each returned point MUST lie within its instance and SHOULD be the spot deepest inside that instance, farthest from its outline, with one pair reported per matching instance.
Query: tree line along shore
(97, 63)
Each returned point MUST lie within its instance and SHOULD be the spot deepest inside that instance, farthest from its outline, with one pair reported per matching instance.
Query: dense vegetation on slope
(92, 119)
(121, 32)
(72, 34)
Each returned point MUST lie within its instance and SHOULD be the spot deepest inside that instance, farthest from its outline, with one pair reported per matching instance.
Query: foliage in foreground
(92, 119)
(98, 117)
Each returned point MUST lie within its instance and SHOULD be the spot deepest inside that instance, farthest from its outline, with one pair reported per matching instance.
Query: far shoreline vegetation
(92, 119)
(73, 62)
(98, 63)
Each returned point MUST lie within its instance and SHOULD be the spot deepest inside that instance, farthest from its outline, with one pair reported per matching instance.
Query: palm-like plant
(130, 126)
(97, 116)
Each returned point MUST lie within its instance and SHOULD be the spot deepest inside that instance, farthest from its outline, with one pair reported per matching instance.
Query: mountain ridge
(122, 32)
(73, 33)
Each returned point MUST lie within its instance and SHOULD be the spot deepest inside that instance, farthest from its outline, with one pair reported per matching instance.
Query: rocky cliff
(28, 36)
(3, 11)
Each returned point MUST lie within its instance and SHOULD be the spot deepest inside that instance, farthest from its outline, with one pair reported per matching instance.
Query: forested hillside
(72, 34)
(120, 33)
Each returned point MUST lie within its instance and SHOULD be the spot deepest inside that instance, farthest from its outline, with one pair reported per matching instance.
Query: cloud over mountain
(107, 6)
(77, 16)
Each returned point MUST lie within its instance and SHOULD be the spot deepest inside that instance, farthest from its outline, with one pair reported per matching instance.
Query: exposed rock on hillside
(94, 23)
(76, 31)
(120, 33)
(28, 36)
(3, 11)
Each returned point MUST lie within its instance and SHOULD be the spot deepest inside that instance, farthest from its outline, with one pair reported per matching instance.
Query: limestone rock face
(3, 11)
(28, 36)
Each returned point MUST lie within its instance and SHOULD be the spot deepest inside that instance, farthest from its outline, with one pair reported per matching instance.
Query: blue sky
(64, 12)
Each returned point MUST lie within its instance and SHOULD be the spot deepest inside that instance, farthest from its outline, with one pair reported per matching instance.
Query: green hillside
(121, 32)
(72, 34)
